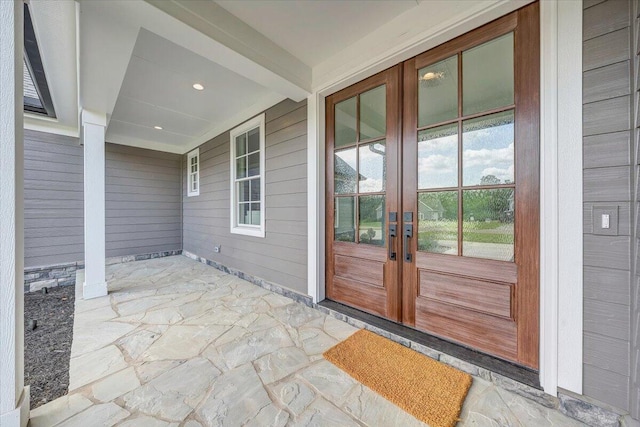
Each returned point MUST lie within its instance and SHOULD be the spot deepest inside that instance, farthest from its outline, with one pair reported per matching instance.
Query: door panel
(433, 190)
(471, 174)
(363, 132)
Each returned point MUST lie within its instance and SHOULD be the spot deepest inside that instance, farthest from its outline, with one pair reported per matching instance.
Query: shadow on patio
(179, 343)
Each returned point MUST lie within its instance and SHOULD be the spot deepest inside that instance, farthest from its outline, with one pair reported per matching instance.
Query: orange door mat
(429, 390)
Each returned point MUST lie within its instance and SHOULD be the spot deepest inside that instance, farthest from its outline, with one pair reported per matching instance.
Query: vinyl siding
(143, 201)
(608, 181)
(634, 385)
(280, 257)
(53, 199)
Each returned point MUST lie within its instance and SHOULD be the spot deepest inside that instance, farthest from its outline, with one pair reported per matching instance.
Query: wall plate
(596, 220)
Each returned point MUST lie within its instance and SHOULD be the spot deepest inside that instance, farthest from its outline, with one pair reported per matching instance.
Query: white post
(315, 197)
(14, 397)
(93, 131)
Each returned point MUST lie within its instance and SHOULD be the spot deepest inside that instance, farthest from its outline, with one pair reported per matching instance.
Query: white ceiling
(157, 91)
(137, 60)
(316, 30)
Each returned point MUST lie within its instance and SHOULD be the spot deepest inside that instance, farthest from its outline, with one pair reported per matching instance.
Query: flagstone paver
(179, 343)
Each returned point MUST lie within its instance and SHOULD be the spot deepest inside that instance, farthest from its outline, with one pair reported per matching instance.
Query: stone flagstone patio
(179, 343)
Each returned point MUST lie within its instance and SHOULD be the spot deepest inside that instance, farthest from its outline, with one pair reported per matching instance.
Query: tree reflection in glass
(487, 227)
(371, 225)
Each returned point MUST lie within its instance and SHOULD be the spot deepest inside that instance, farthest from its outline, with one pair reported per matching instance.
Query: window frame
(257, 122)
(193, 154)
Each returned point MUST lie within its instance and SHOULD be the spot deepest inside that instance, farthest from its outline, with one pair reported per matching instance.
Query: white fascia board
(238, 47)
(49, 125)
(147, 145)
(409, 34)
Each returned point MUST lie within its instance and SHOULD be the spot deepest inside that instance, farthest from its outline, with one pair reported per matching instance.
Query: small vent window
(193, 173)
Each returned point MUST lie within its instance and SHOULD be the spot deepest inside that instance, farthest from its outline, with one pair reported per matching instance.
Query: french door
(363, 194)
(433, 190)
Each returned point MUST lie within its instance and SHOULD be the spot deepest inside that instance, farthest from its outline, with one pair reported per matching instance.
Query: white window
(193, 173)
(247, 178)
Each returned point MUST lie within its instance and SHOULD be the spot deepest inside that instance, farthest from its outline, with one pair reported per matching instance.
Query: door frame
(561, 97)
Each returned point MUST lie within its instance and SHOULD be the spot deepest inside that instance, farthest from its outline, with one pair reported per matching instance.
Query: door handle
(407, 233)
(393, 232)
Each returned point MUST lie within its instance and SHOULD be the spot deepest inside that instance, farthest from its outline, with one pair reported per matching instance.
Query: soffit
(157, 91)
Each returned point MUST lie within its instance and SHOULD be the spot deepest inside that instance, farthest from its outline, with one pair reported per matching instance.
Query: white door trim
(569, 174)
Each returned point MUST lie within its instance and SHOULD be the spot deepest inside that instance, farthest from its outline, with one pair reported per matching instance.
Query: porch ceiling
(157, 91)
(137, 60)
(316, 30)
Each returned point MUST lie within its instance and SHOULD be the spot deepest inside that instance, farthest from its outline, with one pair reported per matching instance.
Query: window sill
(247, 231)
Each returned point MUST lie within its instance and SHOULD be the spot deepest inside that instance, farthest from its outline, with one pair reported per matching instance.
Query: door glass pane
(371, 224)
(373, 113)
(487, 228)
(254, 140)
(345, 171)
(241, 167)
(345, 127)
(243, 191)
(438, 222)
(487, 75)
(241, 145)
(438, 157)
(254, 164)
(372, 167)
(438, 92)
(487, 150)
(345, 219)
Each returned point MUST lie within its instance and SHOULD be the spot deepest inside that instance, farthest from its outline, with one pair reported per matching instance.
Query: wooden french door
(454, 249)
(363, 194)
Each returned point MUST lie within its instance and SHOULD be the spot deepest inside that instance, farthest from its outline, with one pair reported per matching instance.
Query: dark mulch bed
(48, 346)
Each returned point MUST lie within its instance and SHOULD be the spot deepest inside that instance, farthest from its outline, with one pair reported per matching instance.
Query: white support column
(93, 131)
(315, 197)
(14, 397)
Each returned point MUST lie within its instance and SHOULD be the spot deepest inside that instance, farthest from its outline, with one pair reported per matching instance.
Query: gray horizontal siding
(606, 49)
(53, 199)
(608, 150)
(634, 374)
(607, 181)
(281, 257)
(606, 386)
(143, 201)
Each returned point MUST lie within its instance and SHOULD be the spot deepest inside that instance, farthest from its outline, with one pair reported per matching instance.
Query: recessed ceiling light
(198, 86)
(158, 127)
